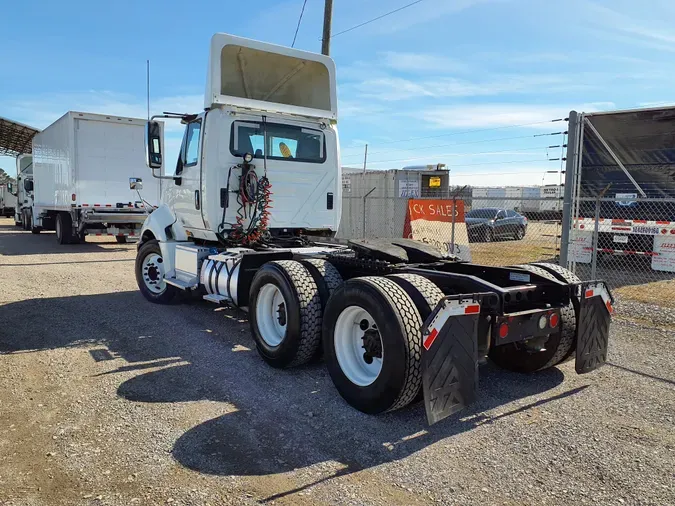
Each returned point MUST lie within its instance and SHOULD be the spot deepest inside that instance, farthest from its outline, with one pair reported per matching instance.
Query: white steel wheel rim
(153, 273)
(349, 346)
(58, 228)
(271, 315)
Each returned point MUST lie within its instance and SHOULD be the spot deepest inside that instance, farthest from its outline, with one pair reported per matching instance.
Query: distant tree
(5, 178)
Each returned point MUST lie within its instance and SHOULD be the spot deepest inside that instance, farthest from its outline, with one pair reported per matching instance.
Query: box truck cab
(24, 190)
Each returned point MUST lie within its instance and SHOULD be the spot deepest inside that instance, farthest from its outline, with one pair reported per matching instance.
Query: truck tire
(424, 293)
(24, 220)
(121, 239)
(285, 313)
(376, 315)
(517, 357)
(150, 274)
(325, 275)
(568, 277)
(64, 228)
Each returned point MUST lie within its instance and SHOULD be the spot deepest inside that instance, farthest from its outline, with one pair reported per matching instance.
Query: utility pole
(327, 20)
(365, 159)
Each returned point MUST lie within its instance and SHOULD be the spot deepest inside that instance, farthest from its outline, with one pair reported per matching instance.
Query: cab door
(186, 191)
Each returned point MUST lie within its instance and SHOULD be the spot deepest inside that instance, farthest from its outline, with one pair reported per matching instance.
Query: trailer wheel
(150, 274)
(520, 357)
(372, 344)
(285, 313)
(64, 228)
(121, 239)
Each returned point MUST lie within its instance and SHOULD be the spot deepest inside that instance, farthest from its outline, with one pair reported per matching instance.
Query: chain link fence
(486, 231)
(621, 189)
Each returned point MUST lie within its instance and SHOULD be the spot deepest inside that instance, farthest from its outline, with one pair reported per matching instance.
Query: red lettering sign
(436, 210)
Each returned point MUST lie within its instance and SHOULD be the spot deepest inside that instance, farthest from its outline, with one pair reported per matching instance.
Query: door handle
(197, 203)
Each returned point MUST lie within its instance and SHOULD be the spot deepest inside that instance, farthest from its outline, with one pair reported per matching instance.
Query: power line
(501, 162)
(481, 141)
(377, 18)
(476, 130)
(476, 153)
(299, 21)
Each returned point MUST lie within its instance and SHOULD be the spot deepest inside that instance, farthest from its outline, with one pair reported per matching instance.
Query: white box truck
(7, 200)
(87, 172)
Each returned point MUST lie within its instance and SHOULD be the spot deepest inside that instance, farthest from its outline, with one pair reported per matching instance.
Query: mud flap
(450, 356)
(595, 315)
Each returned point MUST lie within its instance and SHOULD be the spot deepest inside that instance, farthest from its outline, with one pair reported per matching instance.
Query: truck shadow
(275, 421)
(14, 241)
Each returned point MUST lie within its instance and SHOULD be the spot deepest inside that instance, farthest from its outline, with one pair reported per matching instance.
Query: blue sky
(452, 75)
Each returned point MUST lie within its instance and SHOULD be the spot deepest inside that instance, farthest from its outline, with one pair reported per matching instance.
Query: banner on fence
(581, 246)
(430, 221)
(664, 249)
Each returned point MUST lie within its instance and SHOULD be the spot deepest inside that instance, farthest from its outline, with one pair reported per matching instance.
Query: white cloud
(392, 88)
(502, 115)
(422, 62)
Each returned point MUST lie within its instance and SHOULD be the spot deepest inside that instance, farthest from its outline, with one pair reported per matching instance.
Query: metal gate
(619, 205)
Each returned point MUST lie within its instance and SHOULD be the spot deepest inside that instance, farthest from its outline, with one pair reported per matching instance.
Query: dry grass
(659, 293)
(538, 245)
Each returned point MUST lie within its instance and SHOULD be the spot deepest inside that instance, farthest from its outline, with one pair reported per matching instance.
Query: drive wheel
(285, 313)
(121, 239)
(568, 277)
(64, 228)
(150, 274)
(372, 344)
(527, 357)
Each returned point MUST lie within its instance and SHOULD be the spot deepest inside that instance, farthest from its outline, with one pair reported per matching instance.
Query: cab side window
(192, 143)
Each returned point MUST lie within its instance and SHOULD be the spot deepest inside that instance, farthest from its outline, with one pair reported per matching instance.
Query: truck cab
(24, 190)
(270, 112)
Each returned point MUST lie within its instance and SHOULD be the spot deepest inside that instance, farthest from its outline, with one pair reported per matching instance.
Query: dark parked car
(491, 223)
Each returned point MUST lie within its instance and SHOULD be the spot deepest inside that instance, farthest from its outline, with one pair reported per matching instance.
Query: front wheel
(150, 274)
(520, 233)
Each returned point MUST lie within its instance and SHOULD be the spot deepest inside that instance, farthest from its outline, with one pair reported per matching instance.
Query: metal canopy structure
(15, 138)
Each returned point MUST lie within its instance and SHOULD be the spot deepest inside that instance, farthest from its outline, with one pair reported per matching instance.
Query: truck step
(183, 285)
(218, 299)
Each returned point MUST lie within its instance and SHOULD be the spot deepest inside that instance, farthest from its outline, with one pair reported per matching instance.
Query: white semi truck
(243, 221)
(87, 178)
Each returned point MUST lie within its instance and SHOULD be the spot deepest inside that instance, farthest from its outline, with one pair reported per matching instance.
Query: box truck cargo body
(88, 177)
(505, 197)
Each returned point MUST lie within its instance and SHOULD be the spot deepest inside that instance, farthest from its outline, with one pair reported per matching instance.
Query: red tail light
(553, 320)
(503, 330)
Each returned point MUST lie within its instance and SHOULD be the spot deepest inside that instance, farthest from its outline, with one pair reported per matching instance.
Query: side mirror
(10, 188)
(28, 185)
(135, 183)
(153, 145)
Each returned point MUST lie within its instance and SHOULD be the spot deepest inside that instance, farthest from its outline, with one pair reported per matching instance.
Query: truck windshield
(284, 142)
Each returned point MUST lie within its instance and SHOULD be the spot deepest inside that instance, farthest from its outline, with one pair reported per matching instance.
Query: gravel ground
(107, 399)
